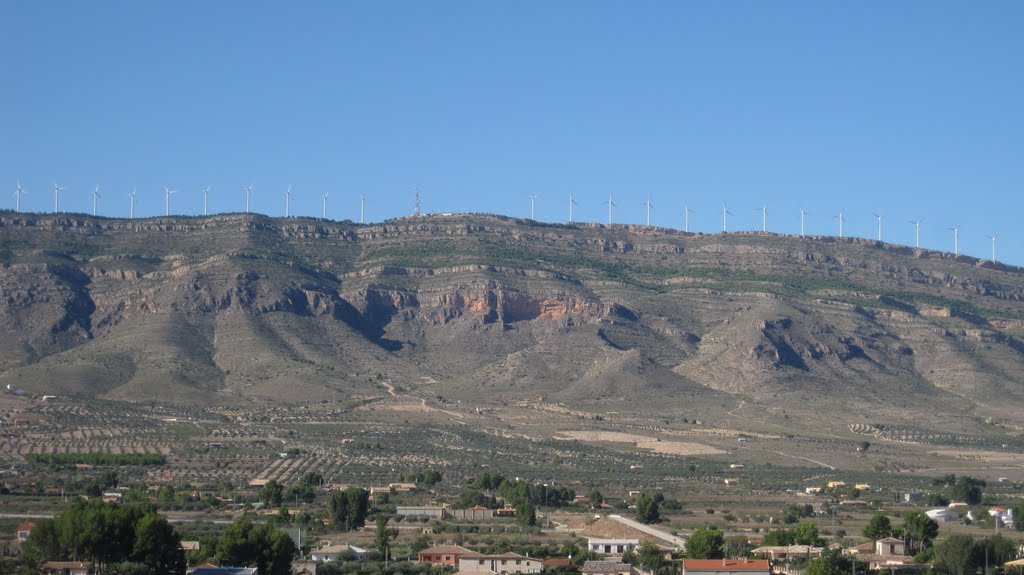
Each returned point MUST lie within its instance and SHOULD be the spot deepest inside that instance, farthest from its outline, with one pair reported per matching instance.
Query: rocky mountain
(240, 308)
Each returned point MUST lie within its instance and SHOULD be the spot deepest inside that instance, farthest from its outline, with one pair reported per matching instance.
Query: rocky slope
(236, 308)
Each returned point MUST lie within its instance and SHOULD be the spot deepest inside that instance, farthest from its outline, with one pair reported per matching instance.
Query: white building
(612, 546)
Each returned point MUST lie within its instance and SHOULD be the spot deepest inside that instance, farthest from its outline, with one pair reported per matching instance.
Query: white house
(612, 546)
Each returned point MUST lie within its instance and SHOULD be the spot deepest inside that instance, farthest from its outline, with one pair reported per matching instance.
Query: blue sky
(909, 109)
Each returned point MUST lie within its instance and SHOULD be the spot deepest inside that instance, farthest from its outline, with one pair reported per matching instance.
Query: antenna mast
(417, 210)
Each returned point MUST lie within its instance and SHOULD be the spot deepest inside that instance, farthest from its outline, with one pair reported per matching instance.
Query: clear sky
(911, 109)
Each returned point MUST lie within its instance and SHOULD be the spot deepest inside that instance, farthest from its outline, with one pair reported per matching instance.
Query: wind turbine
(956, 239)
(248, 191)
(287, 199)
(533, 200)
(167, 200)
(725, 217)
(917, 232)
(803, 213)
(362, 207)
(993, 238)
(842, 219)
(206, 197)
(131, 208)
(611, 205)
(686, 217)
(572, 202)
(56, 194)
(95, 197)
(18, 192)
(325, 205)
(649, 206)
(879, 218)
(764, 217)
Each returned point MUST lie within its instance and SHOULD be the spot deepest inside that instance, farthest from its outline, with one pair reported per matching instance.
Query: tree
(122, 539)
(968, 490)
(263, 546)
(382, 538)
(706, 544)
(648, 507)
(358, 506)
(831, 562)
(650, 558)
(596, 498)
(779, 537)
(272, 494)
(878, 527)
(920, 529)
(806, 533)
(956, 554)
(158, 546)
(526, 514)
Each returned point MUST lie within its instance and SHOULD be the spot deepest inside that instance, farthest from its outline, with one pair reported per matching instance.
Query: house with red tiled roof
(726, 567)
(24, 530)
(442, 555)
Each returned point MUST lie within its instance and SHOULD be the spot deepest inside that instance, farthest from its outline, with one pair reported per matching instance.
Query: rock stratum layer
(239, 308)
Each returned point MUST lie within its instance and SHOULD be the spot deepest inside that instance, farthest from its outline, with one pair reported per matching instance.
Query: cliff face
(243, 307)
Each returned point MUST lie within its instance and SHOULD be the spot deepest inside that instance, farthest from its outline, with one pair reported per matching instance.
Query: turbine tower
(325, 205)
(248, 192)
(56, 194)
(206, 197)
(18, 192)
(803, 213)
(131, 205)
(917, 232)
(842, 219)
(993, 238)
(764, 217)
(879, 218)
(572, 202)
(533, 201)
(95, 198)
(611, 205)
(362, 207)
(649, 206)
(956, 239)
(686, 217)
(725, 217)
(287, 200)
(167, 200)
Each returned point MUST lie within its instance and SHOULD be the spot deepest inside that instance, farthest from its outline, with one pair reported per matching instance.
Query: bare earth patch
(983, 456)
(643, 442)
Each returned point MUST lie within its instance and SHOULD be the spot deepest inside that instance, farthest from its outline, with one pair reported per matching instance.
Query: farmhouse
(402, 487)
(332, 552)
(442, 555)
(726, 566)
(505, 563)
(24, 530)
(612, 546)
(887, 553)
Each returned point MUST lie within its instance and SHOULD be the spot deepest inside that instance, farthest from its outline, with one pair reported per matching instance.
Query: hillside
(236, 309)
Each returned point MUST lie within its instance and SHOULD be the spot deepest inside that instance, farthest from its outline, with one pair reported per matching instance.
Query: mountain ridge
(238, 308)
